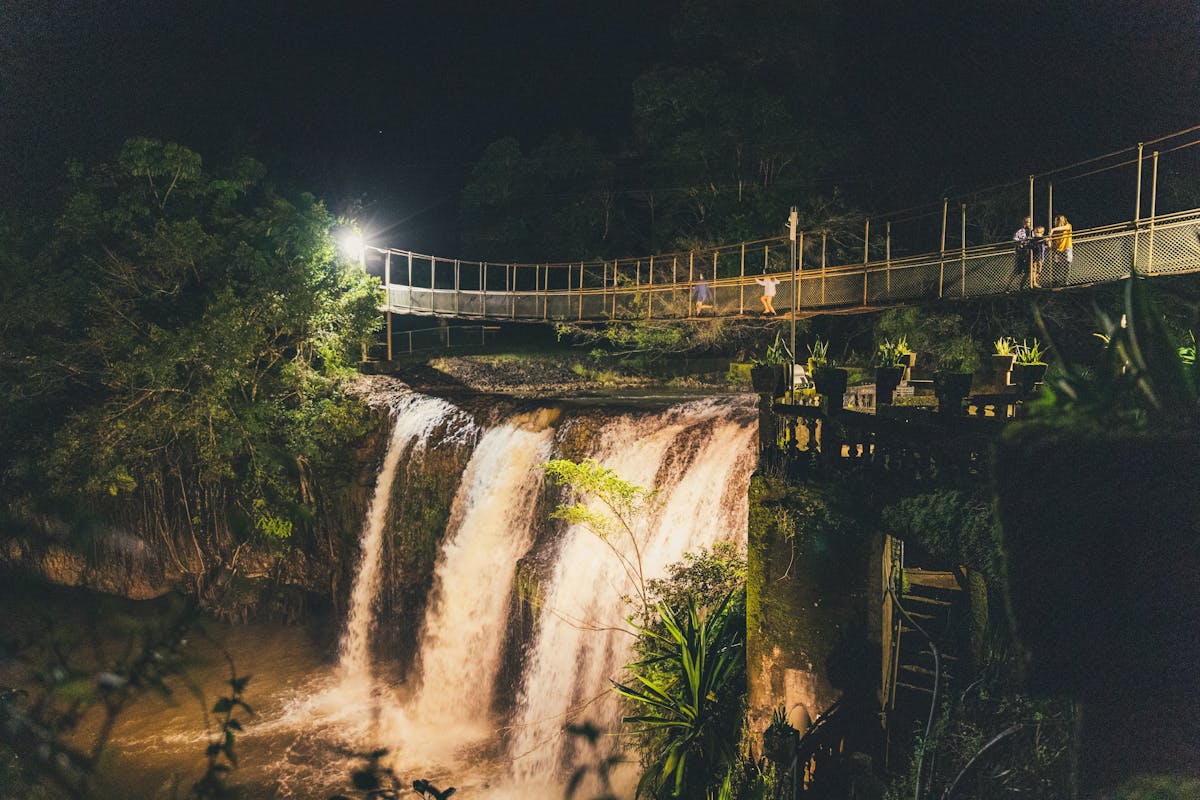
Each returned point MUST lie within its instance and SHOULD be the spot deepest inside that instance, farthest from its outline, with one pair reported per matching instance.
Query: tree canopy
(181, 328)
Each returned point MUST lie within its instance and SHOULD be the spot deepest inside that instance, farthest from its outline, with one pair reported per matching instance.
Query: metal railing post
(742, 283)
(387, 287)
(546, 294)
(674, 279)
(1153, 212)
(581, 290)
(457, 285)
(824, 265)
(866, 256)
(410, 281)
(1137, 210)
(942, 249)
(482, 292)
(650, 291)
(887, 255)
(963, 250)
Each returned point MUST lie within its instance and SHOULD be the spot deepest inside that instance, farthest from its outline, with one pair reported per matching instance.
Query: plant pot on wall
(779, 744)
(1001, 367)
(1028, 376)
(831, 381)
(887, 379)
(951, 388)
(768, 379)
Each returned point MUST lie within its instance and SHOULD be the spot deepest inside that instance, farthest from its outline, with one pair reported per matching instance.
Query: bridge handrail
(1166, 244)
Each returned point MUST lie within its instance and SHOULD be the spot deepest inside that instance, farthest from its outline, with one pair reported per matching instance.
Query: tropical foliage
(182, 332)
(688, 690)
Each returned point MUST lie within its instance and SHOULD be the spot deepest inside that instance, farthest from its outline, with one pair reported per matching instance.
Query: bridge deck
(664, 287)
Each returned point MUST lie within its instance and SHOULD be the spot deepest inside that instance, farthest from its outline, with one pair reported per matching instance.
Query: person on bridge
(1060, 251)
(1022, 266)
(703, 295)
(1037, 249)
(768, 296)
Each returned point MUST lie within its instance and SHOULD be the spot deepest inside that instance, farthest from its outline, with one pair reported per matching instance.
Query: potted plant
(780, 739)
(828, 379)
(1002, 361)
(1029, 369)
(952, 382)
(891, 359)
(768, 374)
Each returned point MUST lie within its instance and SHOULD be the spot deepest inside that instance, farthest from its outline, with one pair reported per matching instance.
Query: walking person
(1061, 252)
(768, 296)
(703, 295)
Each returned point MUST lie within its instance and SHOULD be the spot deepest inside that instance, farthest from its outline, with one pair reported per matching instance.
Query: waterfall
(700, 456)
(416, 417)
(440, 722)
(491, 527)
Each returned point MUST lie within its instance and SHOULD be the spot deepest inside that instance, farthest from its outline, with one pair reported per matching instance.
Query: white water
(491, 527)
(440, 724)
(417, 416)
(701, 462)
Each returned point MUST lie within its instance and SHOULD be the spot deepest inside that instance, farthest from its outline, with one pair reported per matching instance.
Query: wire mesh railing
(724, 278)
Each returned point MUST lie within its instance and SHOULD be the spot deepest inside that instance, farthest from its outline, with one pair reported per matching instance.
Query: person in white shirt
(768, 296)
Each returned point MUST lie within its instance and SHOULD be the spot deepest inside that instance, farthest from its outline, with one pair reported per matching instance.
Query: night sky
(384, 106)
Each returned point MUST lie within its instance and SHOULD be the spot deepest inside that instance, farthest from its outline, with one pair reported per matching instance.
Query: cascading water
(439, 722)
(700, 456)
(417, 416)
(491, 527)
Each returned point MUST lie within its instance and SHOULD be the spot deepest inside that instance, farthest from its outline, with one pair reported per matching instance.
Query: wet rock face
(120, 564)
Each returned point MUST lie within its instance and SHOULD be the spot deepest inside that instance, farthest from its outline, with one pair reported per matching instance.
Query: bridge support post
(824, 241)
(1137, 210)
(742, 284)
(942, 248)
(963, 251)
(650, 291)
(887, 256)
(1153, 210)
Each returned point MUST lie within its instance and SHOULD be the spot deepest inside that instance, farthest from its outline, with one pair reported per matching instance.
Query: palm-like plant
(685, 688)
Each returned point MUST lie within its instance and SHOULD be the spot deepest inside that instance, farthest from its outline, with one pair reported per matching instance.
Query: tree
(183, 334)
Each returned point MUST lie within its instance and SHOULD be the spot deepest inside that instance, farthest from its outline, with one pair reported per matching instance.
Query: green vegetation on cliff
(180, 334)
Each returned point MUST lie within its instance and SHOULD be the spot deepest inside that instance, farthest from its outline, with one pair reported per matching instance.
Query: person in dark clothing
(1021, 264)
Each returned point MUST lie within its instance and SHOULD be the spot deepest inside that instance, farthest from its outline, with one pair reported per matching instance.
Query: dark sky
(390, 102)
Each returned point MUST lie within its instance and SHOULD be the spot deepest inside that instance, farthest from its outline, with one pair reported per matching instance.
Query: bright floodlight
(352, 245)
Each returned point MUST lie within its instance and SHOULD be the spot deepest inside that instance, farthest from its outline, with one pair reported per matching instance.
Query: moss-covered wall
(808, 568)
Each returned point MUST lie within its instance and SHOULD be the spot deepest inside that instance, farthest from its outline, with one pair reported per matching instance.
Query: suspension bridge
(728, 279)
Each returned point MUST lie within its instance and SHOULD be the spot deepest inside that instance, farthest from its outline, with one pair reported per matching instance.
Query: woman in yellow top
(1060, 251)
